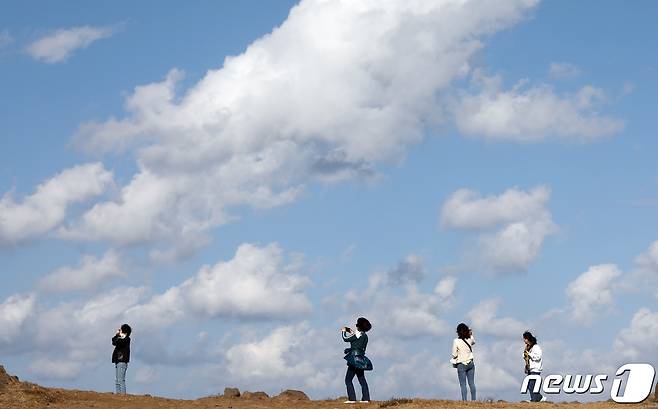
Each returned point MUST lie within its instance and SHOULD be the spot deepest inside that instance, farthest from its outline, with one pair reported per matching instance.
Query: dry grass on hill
(24, 395)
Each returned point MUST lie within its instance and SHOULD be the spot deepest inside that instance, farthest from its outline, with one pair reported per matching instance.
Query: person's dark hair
(125, 328)
(528, 335)
(463, 331)
(363, 324)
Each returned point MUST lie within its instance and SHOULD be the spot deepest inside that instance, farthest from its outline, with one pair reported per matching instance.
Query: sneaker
(350, 401)
(364, 401)
(543, 399)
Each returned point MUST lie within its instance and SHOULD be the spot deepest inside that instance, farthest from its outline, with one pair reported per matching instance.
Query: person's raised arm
(117, 341)
(348, 336)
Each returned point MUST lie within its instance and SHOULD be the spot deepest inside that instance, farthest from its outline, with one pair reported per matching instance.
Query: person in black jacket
(357, 362)
(121, 356)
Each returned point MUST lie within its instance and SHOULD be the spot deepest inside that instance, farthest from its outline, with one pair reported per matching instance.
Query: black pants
(349, 376)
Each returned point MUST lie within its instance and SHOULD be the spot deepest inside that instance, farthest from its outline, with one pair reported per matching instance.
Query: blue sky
(239, 180)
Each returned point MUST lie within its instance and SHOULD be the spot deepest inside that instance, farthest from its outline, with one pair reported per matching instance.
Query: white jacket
(535, 355)
(461, 352)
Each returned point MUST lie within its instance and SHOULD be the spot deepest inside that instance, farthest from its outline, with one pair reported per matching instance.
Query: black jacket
(121, 349)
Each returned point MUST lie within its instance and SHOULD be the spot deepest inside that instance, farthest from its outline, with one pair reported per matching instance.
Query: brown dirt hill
(6, 380)
(15, 394)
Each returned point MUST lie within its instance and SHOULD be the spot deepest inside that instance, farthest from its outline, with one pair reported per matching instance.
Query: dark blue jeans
(349, 376)
(466, 372)
(534, 397)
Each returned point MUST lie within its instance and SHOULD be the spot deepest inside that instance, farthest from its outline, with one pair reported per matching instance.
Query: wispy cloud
(563, 70)
(533, 113)
(5, 38)
(46, 208)
(61, 44)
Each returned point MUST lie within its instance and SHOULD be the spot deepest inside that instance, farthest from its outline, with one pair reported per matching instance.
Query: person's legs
(117, 387)
(534, 397)
(120, 380)
(470, 376)
(365, 392)
(461, 374)
(349, 376)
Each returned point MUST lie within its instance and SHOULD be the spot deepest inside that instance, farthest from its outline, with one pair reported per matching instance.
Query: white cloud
(325, 97)
(647, 262)
(562, 70)
(81, 329)
(592, 292)
(446, 287)
(146, 374)
(644, 276)
(89, 275)
(255, 284)
(14, 312)
(297, 356)
(522, 219)
(428, 373)
(61, 44)
(271, 357)
(466, 209)
(533, 114)
(53, 368)
(42, 211)
(400, 307)
(640, 340)
(484, 320)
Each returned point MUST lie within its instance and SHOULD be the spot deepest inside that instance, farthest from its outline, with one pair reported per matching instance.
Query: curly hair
(463, 331)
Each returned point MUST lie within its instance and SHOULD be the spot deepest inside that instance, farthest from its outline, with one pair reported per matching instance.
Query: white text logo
(638, 384)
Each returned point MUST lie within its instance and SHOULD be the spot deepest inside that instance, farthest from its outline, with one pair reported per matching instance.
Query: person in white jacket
(463, 359)
(532, 355)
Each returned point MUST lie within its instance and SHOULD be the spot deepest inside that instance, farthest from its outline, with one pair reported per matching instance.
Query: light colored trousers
(120, 378)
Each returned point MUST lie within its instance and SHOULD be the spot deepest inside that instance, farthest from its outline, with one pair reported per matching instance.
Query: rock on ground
(6, 380)
(255, 395)
(231, 392)
(291, 394)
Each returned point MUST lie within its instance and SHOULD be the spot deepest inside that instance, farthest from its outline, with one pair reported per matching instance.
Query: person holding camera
(463, 359)
(357, 361)
(532, 355)
(121, 356)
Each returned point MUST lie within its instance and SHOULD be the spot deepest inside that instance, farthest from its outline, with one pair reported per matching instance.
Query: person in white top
(532, 355)
(462, 359)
